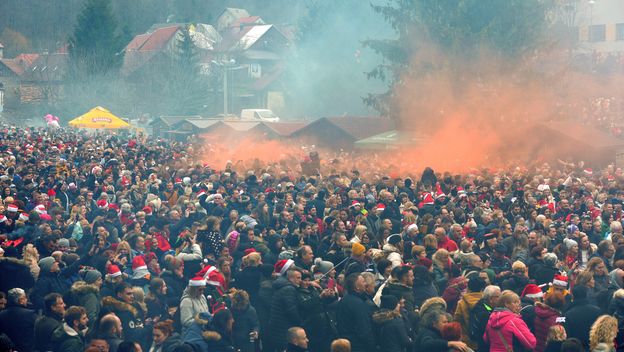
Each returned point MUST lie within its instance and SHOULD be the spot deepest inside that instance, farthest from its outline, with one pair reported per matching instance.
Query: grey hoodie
(189, 307)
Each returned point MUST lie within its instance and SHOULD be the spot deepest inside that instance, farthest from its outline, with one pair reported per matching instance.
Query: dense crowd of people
(132, 243)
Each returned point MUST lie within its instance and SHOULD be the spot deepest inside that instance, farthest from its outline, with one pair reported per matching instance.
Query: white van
(259, 115)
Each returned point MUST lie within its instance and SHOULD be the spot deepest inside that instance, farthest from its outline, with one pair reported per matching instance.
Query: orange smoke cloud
(487, 113)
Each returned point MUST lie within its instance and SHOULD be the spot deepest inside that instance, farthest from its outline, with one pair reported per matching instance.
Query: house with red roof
(258, 52)
(12, 72)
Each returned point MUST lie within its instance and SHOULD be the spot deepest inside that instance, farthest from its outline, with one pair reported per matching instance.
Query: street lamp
(226, 65)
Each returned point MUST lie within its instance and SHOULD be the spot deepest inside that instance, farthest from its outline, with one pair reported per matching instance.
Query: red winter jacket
(511, 326)
(545, 317)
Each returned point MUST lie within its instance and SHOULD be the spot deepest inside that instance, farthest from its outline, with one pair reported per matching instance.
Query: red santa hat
(113, 271)
(560, 280)
(381, 207)
(461, 192)
(51, 192)
(355, 203)
(438, 192)
(283, 265)
(23, 216)
(41, 209)
(212, 276)
(197, 281)
(427, 199)
(102, 204)
(147, 210)
(532, 291)
(12, 208)
(138, 263)
(247, 251)
(2, 218)
(178, 181)
(588, 171)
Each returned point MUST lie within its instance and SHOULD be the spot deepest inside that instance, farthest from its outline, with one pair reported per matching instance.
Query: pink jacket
(510, 326)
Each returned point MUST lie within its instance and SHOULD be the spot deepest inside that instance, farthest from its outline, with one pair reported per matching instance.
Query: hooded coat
(512, 328)
(400, 291)
(545, 317)
(66, 339)
(189, 307)
(88, 297)
(131, 323)
(217, 341)
(391, 331)
(462, 315)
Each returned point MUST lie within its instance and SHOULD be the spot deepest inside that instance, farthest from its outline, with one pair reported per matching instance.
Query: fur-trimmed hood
(432, 302)
(210, 335)
(117, 305)
(384, 315)
(81, 287)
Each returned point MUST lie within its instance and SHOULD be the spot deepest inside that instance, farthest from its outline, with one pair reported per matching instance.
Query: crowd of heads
(135, 243)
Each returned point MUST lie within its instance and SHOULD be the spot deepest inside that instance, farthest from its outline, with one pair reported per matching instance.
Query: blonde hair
(359, 230)
(123, 245)
(440, 258)
(604, 330)
(416, 250)
(341, 345)
(30, 255)
(139, 297)
(557, 333)
(430, 241)
(252, 259)
(508, 297)
(518, 266)
(410, 218)
(584, 277)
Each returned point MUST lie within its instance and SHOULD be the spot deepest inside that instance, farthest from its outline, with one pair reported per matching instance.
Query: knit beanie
(322, 266)
(45, 264)
(63, 242)
(388, 302)
(357, 249)
(91, 276)
(569, 243)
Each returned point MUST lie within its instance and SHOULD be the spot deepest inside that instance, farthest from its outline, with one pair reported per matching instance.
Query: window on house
(619, 31)
(597, 33)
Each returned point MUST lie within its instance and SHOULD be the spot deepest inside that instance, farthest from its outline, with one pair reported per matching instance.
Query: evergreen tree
(96, 46)
(188, 87)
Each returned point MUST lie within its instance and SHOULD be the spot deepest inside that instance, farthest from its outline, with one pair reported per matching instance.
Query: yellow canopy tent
(98, 117)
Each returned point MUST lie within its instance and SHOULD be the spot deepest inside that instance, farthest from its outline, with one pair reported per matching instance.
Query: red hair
(451, 331)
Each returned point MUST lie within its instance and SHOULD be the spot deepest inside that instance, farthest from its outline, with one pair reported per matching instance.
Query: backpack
(476, 325)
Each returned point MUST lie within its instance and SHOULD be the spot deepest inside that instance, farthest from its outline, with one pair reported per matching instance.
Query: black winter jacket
(245, 321)
(284, 310)
(44, 327)
(354, 322)
(579, 318)
(479, 317)
(431, 341)
(391, 331)
(18, 323)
